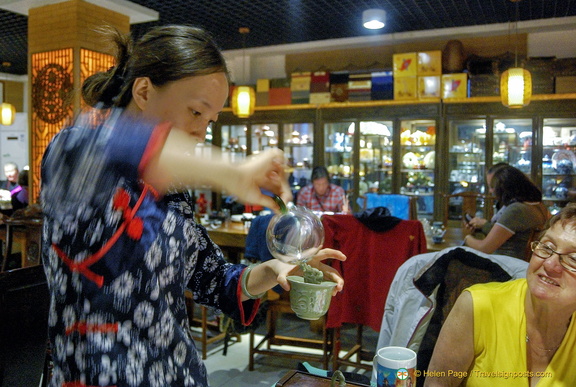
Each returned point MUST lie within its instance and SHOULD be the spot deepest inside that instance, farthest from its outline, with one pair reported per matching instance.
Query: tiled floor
(232, 369)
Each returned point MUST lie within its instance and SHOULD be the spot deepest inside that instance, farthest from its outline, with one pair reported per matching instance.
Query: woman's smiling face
(547, 279)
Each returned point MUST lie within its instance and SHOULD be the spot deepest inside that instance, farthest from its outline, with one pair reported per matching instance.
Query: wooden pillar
(64, 48)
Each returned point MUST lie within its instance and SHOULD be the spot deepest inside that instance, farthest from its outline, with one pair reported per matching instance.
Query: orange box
(405, 65)
(405, 88)
(429, 86)
(430, 63)
(455, 85)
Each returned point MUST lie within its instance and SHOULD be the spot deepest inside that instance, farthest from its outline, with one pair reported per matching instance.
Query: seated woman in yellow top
(516, 333)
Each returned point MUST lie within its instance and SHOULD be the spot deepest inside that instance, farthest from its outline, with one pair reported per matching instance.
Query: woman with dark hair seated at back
(523, 213)
(520, 332)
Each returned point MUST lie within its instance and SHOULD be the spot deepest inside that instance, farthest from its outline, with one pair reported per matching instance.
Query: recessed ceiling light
(374, 18)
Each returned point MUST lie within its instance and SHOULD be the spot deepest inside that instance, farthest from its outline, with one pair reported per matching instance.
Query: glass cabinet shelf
(338, 153)
(299, 152)
(418, 158)
(558, 161)
(376, 143)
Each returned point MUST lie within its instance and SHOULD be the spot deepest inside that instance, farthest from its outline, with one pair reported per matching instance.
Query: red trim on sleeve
(255, 306)
(156, 142)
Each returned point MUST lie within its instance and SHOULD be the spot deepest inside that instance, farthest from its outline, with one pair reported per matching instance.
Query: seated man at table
(322, 195)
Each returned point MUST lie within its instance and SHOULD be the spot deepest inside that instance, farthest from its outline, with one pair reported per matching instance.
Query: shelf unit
(381, 164)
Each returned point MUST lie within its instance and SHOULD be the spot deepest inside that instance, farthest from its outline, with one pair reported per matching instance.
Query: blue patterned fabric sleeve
(216, 283)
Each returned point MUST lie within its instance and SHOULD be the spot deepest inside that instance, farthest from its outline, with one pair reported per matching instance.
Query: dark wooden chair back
(24, 304)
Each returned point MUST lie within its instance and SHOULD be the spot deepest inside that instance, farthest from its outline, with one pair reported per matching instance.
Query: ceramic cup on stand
(394, 366)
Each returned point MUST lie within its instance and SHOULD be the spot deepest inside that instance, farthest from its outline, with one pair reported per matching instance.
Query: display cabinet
(264, 136)
(558, 161)
(527, 138)
(233, 141)
(339, 138)
(428, 148)
(383, 148)
(417, 143)
(292, 129)
(299, 149)
(376, 156)
(512, 142)
(466, 155)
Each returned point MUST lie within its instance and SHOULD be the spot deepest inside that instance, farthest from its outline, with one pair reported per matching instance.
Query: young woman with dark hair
(120, 244)
(522, 213)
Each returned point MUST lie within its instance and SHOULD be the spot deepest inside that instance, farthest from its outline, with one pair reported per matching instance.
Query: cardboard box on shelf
(262, 85)
(319, 98)
(454, 85)
(405, 88)
(320, 87)
(430, 63)
(484, 85)
(542, 83)
(279, 93)
(359, 87)
(262, 88)
(405, 65)
(382, 85)
(566, 84)
(339, 86)
(429, 87)
(300, 81)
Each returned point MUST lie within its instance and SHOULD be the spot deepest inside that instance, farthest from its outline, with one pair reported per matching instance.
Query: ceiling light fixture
(374, 18)
(516, 82)
(243, 97)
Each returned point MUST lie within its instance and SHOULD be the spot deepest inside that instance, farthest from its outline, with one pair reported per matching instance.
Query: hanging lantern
(7, 114)
(516, 87)
(243, 101)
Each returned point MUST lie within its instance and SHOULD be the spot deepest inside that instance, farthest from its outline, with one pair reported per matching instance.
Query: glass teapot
(295, 234)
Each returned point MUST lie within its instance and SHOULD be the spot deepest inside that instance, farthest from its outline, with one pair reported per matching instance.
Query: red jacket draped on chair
(372, 260)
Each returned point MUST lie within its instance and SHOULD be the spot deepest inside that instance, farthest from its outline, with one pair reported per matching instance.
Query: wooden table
(298, 378)
(231, 238)
(453, 237)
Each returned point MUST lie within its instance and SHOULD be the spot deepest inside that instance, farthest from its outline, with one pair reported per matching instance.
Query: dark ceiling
(276, 22)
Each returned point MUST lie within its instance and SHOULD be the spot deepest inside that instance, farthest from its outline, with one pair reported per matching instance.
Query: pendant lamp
(243, 97)
(7, 114)
(243, 101)
(516, 82)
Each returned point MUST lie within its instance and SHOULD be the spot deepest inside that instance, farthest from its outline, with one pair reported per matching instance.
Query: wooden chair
(466, 203)
(24, 228)
(209, 330)
(424, 290)
(401, 206)
(372, 260)
(24, 305)
(274, 344)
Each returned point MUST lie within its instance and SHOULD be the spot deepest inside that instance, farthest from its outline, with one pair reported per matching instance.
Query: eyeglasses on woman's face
(542, 250)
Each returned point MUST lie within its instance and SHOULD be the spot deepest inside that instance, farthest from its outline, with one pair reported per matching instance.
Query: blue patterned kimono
(118, 258)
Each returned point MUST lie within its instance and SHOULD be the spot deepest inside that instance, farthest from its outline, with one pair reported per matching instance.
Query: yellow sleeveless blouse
(500, 340)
